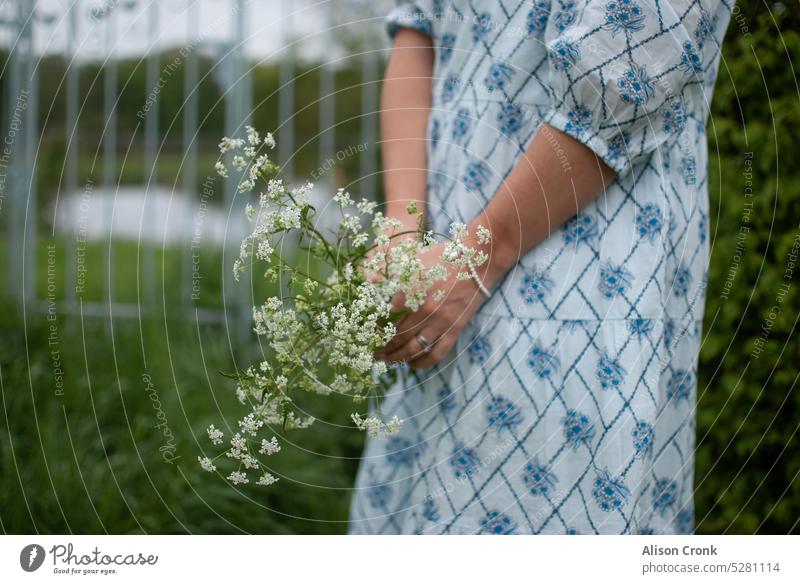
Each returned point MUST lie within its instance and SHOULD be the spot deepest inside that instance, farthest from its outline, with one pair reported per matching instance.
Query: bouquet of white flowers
(324, 330)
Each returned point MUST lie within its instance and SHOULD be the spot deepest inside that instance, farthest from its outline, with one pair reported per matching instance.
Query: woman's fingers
(406, 345)
(406, 352)
(406, 329)
(439, 350)
(398, 301)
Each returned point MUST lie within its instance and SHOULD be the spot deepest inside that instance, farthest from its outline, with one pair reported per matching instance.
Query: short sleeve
(625, 75)
(417, 15)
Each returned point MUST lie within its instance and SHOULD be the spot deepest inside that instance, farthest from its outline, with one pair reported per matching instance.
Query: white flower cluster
(240, 445)
(375, 427)
(324, 331)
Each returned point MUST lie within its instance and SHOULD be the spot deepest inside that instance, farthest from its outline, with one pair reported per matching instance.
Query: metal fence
(65, 39)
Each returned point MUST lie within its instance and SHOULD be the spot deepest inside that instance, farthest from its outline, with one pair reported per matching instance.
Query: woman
(575, 131)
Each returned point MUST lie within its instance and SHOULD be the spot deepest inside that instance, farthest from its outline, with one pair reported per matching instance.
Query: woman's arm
(405, 107)
(555, 178)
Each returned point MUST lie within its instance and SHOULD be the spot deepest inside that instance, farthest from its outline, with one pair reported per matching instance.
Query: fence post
(237, 115)
(31, 134)
(190, 111)
(286, 109)
(72, 151)
(110, 149)
(21, 141)
(151, 152)
(11, 152)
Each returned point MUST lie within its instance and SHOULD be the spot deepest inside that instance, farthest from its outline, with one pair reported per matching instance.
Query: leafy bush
(749, 405)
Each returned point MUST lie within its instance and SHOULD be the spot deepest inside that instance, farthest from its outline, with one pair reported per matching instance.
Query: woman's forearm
(405, 107)
(555, 178)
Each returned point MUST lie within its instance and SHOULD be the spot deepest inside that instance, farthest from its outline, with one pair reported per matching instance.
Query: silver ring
(424, 343)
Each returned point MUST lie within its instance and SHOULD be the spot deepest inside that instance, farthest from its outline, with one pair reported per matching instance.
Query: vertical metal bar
(14, 170)
(71, 139)
(237, 115)
(327, 104)
(110, 145)
(190, 147)
(30, 132)
(229, 247)
(286, 92)
(151, 152)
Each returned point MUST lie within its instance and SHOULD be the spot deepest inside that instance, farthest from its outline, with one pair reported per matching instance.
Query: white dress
(568, 404)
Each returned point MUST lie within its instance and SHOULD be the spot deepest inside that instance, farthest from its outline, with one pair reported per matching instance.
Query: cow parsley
(334, 311)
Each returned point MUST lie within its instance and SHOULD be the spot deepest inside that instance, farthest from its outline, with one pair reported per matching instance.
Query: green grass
(118, 271)
(90, 458)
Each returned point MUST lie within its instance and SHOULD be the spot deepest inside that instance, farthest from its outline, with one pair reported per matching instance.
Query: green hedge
(749, 403)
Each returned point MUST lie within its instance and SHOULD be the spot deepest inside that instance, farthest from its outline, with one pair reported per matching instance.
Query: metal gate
(59, 41)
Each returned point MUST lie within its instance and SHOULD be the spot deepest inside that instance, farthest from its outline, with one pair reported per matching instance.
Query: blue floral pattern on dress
(635, 86)
(614, 280)
(476, 174)
(499, 76)
(618, 146)
(610, 372)
(578, 429)
(691, 61)
(510, 118)
(400, 451)
(497, 523)
(669, 334)
(579, 120)
(705, 29)
(563, 55)
(465, 462)
(535, 286)
(577, 399)
(461, 124)
(378, 495)
(689, 170)
(608, 492)
(451, 85)
(543, 362)
(436, 132)
(538, 479)
(430, 510)
(580, 228)
(681, 282)
(502, 414)
(684, 522)
(643, 439)
(680, 385)
(479, 350)
(537, 17)
(674, 117)
(446, 47)
(623, 16)
(565, 16)
(480, 28)
(447, 398)
(649, 221)
(665, 495)
(641, 328)
(702, 227)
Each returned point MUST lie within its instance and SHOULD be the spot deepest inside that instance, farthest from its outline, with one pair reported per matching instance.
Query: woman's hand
(438, 321)
(539, 195)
